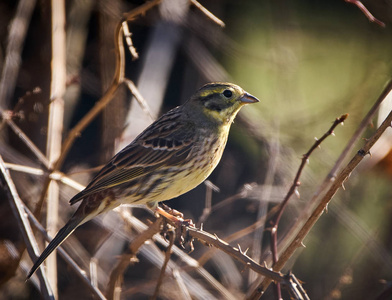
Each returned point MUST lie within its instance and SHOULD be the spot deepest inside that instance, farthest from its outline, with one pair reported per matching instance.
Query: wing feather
(167, 142)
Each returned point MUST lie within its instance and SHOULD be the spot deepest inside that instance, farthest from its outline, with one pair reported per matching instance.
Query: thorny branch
(293, 189)
(296, 183)
(338, 182)
(241, 256)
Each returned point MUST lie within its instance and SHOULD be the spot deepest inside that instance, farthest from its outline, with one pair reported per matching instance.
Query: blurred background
(307, 61)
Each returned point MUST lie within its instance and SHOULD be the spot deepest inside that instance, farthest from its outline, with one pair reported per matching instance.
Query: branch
(237, 253)
(16, 37)
(241, 256)
(6, 115)
(366, 12)
(208, 14)
(116, 276)
(163, 269)
(340, 179)
(79, 272)
(296, 183)
(275, 221)
(55, 124)
(17, 207)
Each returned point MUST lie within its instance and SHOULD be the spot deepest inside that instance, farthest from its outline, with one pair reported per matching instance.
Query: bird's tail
(63, 233)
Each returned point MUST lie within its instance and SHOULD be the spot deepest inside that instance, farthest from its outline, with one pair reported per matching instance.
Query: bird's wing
(166, 142)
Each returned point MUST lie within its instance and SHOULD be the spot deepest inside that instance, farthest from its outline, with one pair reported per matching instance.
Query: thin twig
(296, 183)
(164, 266)
(17, 207)
(16, 36)
(239, 234)
(128, 40)
(366, 12)
(185, 258)
(330, 178)
(24, 138)
(275, 220)
(140, 10)
(79, 272)
(116, 276)
(274, 153)
(208, 200)
(208, 14)
(58, 176)
(239, 255)
(340, 179)
(139, 98)
(361, 128)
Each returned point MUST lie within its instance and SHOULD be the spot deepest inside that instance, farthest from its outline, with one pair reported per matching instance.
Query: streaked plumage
(172, 156)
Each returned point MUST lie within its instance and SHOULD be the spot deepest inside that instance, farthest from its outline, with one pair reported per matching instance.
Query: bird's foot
(176, 218)
(172, 211)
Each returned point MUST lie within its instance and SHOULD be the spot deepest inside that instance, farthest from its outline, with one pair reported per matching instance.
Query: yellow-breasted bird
(172, 156)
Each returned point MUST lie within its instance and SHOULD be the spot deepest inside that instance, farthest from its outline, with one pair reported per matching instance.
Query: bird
(170, 157)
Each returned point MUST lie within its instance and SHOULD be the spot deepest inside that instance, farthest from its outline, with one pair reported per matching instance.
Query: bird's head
(221, 101)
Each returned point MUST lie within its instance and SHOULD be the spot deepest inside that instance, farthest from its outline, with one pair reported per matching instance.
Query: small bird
(171, 157)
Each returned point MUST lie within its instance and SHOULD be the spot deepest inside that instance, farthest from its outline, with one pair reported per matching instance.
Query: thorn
(303, 245)
(326, 208)
(315, 138)
(307, 161)
(239, 248)
(296, 192)
(333, 133)
(342, 123)
(343, 187)
(245, 252)
(201, 227)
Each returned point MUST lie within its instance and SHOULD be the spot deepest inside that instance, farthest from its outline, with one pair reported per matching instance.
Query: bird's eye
(227, 93)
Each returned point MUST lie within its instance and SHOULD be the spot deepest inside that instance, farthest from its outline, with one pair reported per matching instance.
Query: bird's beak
(248, 98)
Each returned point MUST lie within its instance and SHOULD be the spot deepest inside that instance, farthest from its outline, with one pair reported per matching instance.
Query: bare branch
(340, 179)
(239, 255)
(139, 98)
(164, 266)
(366, 12)
(296, 183)
(208, 14)
(79, 272)
(116, 276)
(16, 36)
(55, 124)
(24, 138)
(24, 225)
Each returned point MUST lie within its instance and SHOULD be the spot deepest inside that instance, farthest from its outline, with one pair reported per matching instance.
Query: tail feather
(60, 237)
